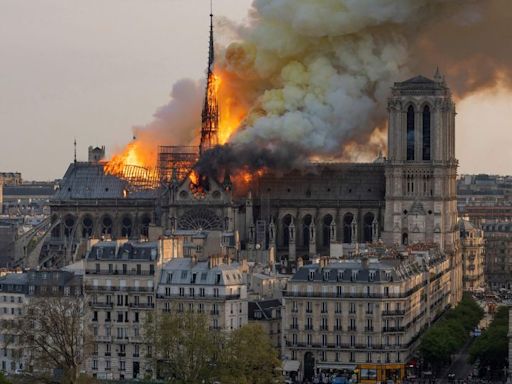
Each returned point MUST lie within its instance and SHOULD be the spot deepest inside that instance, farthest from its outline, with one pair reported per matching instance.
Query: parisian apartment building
(216, 288)
(120, 282)
(363, 315)
(473, 255)
(16, 290)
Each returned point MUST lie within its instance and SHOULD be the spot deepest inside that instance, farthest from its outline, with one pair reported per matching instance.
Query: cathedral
(328, 209)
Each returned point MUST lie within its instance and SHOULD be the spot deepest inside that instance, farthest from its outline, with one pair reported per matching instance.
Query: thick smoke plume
(311, 77)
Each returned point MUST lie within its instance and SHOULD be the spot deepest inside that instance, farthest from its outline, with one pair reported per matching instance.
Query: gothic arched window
(368, 227)
(286, 235)
(306, 222)
(410, 133)
(426, 133)
(347, 227)
(326, 232)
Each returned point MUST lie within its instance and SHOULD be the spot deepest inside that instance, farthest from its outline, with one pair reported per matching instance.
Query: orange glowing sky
(92, 70)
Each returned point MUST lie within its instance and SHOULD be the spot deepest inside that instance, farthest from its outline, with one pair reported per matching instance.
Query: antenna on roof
(74, 143)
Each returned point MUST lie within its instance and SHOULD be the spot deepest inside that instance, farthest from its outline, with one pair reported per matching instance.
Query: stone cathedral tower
(421, 170)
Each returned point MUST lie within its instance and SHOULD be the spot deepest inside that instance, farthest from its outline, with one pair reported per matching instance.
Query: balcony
(352, 328)
(142, 305)
(215, 312)
(350, 295)
(99, 304)
(119, 273)
(104, 339)
(396, 312)
(393, 329)
(308, 327)
(199, 297)
(368, 329)
(108, 289)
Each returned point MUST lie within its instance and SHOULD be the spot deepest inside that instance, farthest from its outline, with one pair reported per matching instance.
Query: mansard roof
(180, 271)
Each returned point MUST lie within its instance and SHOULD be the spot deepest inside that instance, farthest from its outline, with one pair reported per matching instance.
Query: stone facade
(363, 315)
(212, 287)
(498, 254)
(473, 255)
(120, 281)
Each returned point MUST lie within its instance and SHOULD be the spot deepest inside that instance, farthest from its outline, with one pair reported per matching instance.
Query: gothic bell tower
(421, 170)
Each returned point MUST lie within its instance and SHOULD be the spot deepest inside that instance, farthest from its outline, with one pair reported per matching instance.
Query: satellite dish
(258, 246)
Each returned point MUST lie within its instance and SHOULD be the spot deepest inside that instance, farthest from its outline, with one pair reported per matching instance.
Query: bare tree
(54, 332)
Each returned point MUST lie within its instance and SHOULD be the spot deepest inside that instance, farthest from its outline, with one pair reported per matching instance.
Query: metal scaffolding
(176, 160)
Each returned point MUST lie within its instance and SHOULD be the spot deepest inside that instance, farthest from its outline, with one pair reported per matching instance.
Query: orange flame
(135, 154)
(194, 177)
(231, 112)
(142, 152)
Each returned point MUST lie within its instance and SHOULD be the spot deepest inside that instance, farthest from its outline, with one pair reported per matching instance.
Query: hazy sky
(92, 69)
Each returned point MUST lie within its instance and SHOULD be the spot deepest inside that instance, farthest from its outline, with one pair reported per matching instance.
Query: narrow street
(459, 366)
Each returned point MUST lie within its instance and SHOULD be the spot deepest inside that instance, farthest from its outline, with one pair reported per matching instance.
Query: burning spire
(210, 114)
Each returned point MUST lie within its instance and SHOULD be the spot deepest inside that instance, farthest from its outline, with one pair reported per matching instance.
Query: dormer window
(326, 275)
(311, 275)
(340, 275)
(354, 276)
(371, 276)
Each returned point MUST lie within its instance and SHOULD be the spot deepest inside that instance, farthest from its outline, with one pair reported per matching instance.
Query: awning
(349, 367)
(291, 365)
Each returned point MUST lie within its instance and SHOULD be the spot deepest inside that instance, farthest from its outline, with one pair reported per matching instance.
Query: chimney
(324, 260)
(194, 259)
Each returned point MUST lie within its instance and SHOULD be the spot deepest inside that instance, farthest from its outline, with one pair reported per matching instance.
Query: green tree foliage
(189, 352)
(450, 333)
(491, 349)
(186, 349)
(3, 379)
(249, 358)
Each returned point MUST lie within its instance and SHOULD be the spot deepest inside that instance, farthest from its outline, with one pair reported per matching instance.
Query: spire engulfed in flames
(221, 116)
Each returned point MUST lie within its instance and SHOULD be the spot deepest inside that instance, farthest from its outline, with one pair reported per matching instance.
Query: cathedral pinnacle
(437, 76)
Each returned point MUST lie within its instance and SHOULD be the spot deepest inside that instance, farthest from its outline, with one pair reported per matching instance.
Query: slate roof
(110, 250)
(348, 271)
(180, 272)
(264, 307)
(29, 190)
(89, 181)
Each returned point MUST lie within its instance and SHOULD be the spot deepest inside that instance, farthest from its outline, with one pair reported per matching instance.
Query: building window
(347, 227)
(426, 133)
(410, 133)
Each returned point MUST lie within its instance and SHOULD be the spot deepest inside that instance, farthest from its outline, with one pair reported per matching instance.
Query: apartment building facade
(120, 280)
(498, 254)
(363, 316)
(16, 291)
(215, 287)
(473, 255)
